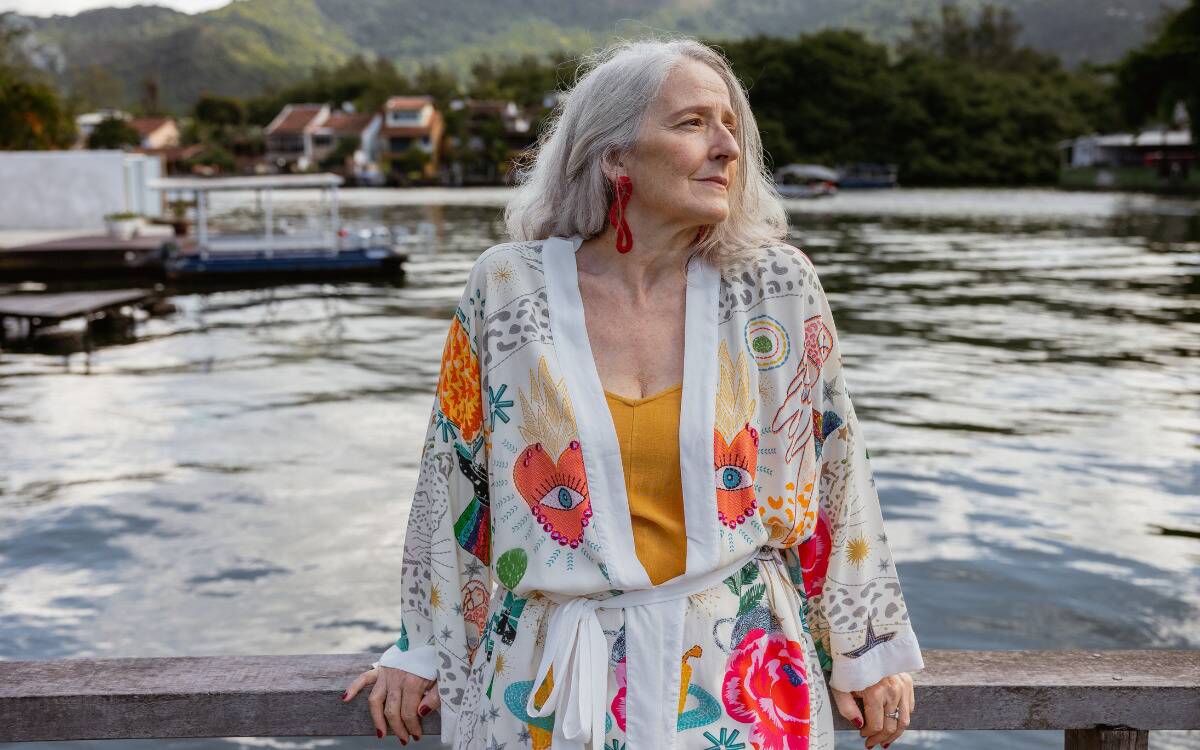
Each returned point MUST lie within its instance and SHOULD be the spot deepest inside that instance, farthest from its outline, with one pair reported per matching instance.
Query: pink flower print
(766, 685)
(618, 704)
(814, 556)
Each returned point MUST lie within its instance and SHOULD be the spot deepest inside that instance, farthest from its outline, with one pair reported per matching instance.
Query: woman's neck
(659, 256)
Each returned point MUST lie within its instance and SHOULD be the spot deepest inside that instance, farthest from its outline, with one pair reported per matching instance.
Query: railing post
(1107, 739)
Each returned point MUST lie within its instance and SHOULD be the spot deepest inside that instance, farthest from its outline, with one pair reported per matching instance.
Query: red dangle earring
(616, 214)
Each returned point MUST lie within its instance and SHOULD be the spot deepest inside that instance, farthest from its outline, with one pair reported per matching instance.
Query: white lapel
(598, 436)
(700, 375)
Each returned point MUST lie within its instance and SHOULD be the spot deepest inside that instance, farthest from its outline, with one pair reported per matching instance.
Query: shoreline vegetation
(956, 102)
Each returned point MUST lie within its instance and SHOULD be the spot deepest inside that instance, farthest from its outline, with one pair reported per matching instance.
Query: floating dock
(37, 311)
(85, 256)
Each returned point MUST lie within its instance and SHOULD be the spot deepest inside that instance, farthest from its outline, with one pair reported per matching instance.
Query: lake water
(1025, 364)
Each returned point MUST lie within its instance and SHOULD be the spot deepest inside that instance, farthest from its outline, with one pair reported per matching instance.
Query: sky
(71, 7)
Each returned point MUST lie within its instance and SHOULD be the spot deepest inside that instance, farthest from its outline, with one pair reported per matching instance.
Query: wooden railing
(1099, 699)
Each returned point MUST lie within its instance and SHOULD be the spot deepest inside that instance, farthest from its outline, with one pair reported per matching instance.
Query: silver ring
(894, 714)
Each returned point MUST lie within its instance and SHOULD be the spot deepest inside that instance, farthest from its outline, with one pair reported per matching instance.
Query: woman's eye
(730, 477)
(562, 498)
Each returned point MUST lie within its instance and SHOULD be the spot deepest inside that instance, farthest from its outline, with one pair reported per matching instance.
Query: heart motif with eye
(734, 464)
(556, 491)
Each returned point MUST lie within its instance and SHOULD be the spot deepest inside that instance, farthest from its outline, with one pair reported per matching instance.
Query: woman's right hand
(398, 700)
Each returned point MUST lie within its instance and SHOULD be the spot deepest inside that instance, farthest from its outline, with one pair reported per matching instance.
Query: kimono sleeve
(854, 606)
(445, 575)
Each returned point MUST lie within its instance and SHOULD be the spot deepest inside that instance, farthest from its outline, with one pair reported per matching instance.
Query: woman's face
(687, 137)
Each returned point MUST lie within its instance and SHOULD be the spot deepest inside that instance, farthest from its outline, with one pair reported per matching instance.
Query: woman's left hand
(892, 692)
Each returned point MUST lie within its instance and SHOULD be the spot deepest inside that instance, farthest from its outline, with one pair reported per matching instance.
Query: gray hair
(563, 190)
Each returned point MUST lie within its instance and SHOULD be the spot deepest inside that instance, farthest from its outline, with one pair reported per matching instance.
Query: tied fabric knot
(578, 651)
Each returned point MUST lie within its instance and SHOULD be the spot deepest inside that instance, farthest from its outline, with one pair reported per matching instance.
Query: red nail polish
(379, 733)
(422, 710)
(886, 744)
(345, 694)
(858, 723)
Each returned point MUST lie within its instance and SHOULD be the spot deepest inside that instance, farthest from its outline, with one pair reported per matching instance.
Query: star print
(726, 741)
(457, 608)
(871, 642)
(493, 713)
(446, 634)
(525, 736)
(883, 565)
(473, 568)
(830, 391)
(448, 428)
(498, 404)
(882, 537)
(496, 745)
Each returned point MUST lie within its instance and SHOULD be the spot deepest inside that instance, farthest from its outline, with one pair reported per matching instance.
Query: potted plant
(179, 211)
(123, 225)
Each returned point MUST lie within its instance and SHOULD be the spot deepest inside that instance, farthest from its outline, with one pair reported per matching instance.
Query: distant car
(806, 181)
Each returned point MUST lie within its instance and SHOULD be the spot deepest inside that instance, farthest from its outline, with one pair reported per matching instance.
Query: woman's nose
(727, 146)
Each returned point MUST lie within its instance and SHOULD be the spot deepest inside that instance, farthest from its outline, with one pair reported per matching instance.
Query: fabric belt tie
(578, 650)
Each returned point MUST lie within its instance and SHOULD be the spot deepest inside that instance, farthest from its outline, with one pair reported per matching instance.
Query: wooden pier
(36, 311)
(1098, 699)
(87, 256)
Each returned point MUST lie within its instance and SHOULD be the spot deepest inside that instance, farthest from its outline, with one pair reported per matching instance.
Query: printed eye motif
(731, 477)
(562, 497)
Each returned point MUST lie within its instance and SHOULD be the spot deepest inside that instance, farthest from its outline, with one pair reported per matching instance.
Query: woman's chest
(638, 349)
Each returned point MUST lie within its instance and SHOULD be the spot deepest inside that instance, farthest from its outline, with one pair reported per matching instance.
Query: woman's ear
(612, 165)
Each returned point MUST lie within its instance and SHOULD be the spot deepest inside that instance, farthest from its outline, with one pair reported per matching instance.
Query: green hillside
(253, 46)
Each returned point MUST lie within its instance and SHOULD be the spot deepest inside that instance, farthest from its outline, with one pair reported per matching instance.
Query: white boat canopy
(246, 182)
(324, 238)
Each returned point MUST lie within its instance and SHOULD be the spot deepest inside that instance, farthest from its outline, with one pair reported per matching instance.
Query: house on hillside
(316, 136)
(289, 137)
(156, 132)
(347, 143)
(411, 136)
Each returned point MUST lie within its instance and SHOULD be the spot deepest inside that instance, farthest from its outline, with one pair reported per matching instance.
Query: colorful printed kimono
(521, 590)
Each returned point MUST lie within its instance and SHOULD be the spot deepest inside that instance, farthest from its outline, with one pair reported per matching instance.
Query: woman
(643, 440)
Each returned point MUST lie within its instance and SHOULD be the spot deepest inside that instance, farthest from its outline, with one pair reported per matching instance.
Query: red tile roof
(408, 102)
(147, 125)
(348, 122)
(297, 119)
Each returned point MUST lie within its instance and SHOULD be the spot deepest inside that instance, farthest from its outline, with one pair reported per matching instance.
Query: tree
(410, 163)
(1152, 78)
(113, 132)
(220, 111)
(991, 41)
(32, 116)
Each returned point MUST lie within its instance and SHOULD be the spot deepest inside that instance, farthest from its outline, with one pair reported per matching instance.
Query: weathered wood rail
(1106, 700)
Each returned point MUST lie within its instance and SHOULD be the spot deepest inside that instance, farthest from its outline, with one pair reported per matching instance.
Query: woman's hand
(399, 700)
(890, 693)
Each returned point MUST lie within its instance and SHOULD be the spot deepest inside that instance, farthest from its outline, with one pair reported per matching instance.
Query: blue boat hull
(356, 263)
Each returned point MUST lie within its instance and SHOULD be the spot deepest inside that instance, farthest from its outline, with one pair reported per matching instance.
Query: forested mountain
(252, 46)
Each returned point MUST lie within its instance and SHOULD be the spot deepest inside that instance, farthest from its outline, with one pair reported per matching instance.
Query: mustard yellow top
(648, 433)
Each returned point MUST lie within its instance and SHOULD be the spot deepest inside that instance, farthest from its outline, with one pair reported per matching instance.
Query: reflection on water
(237, 480)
